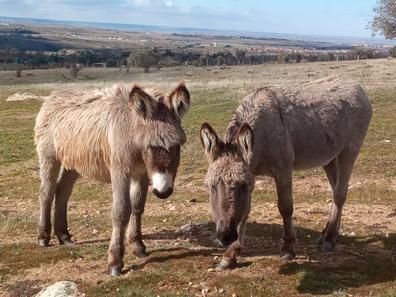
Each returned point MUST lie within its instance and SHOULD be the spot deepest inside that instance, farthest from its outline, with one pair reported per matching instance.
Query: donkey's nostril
(163, 195)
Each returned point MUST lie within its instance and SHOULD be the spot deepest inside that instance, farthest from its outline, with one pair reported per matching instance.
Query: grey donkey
(273, 132)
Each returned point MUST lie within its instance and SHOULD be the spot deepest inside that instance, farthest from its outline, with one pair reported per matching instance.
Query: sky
(315, 17)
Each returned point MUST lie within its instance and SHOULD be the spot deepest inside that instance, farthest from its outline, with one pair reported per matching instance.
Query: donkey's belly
(87, 163)
(319, 161)
(316, 151)
(95, 170)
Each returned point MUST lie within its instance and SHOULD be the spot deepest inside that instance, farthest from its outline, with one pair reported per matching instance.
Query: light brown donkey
(273, 132)
(125, 136)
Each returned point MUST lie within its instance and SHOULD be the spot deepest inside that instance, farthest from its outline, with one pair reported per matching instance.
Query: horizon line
(170, 27)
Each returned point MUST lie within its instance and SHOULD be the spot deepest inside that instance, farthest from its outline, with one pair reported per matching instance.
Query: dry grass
(364, 263)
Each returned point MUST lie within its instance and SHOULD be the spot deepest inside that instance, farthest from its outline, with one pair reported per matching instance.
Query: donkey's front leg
(121, 210)
(285, 205)
(229, 259)
(138, 195)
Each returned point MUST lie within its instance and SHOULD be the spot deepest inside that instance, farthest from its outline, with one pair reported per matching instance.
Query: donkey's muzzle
(226, 238)
(163, 195)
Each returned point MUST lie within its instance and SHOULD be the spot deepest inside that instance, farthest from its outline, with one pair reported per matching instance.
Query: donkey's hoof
(328, 246)
(65, 239)
(43, 242)
(288, 256)
(226, 264)
(115, 271)
(141, 254)
(67, 242)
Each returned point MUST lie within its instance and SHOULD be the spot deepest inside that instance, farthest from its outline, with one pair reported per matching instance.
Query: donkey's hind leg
(331, 173)
(49, 171)
(344, 166)
(62, 195)
(138, 195)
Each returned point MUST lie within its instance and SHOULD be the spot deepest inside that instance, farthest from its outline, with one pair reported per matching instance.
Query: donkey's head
(160, 134)
(229, 179)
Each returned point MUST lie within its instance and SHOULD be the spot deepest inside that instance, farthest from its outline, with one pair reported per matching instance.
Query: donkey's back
(308, 125)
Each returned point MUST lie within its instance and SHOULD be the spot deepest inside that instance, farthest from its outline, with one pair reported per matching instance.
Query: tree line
(155, 58)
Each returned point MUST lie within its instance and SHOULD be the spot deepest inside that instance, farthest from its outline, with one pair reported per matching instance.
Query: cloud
(153, 12)
(232, 15)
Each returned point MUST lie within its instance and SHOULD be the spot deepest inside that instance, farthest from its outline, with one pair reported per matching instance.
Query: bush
(144, 59)
(392, 52)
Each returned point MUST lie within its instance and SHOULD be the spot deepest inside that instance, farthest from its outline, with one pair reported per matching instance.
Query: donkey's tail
(26, 96)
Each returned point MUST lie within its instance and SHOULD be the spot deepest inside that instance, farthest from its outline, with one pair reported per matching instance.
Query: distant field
(364, 263)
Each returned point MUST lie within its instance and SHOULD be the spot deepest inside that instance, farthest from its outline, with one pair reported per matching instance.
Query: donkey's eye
(243, 188)
(233, 188)
(214, 189)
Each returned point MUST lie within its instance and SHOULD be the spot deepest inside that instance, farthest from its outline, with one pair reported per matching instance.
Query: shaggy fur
(322, 123)
(119, 135)
(85, 128)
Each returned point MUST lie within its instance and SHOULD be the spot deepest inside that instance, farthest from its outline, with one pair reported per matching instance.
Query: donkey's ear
(179, 100)
(210, 141)
(142, 102)
(245, 140)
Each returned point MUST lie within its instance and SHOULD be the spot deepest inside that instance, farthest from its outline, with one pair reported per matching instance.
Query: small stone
(164, 220)
(190, 283)
(186, 228)
(221, 291)
(216, 258)
(95, 231)
(205, 291)
(172, 207)
(234, 295)
(353, 234)
(211, 269)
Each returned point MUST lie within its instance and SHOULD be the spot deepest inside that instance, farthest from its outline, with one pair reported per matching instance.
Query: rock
(95, 232)
(61, 289)
(24, 96)
(187, 228)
